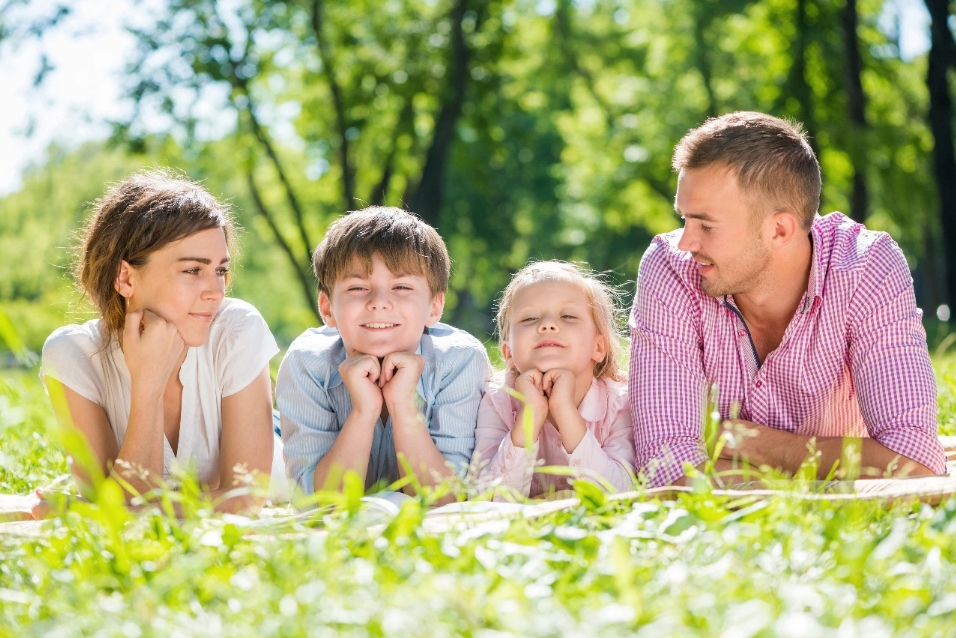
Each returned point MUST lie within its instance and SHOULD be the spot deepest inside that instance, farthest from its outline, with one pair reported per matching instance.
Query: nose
(688, 241)
(547, 325)
(215, 288)
(379, 300)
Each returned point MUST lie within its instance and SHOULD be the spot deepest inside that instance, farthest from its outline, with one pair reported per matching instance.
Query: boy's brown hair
(407, 245)
(771, 158)
(135, 218)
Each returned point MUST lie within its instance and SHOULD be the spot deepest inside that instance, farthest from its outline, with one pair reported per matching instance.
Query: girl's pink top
(607, 448)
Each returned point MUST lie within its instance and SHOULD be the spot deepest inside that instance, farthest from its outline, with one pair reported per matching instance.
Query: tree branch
(427, 197)
(263, 138)
(348, 173)
(405, 117)
(308, 287)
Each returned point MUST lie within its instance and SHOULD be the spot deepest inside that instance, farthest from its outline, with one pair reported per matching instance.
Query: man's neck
(774, 302)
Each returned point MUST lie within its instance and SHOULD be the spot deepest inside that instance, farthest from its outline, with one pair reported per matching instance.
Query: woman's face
(183, 282)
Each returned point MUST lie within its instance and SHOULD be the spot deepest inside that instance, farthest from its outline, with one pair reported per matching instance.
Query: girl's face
(183, 282)
(551, 326)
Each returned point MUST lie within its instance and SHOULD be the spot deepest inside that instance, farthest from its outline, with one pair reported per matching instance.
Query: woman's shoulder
(86, 338)
(234, 312)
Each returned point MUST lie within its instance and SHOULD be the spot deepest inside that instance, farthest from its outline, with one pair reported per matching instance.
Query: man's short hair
(771, 158)
(406, 244)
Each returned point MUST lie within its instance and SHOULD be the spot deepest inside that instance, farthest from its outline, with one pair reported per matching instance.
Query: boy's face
(380, 312)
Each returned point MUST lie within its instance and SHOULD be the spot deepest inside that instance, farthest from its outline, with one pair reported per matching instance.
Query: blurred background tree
(521, 129)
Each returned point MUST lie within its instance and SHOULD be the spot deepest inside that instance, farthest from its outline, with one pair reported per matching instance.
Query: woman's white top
(239, 346)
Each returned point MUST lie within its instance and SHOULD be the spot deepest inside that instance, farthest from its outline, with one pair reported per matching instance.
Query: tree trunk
(798, 74)
(941, 57)
(856, 106)
(427, 198)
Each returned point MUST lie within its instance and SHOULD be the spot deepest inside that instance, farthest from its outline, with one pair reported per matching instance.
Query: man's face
(380, 312)
(720, 231)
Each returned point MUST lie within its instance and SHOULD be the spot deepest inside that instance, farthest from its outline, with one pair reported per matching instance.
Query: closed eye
(527, 319)
(568, 317)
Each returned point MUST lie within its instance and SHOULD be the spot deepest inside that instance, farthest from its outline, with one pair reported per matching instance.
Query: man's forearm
(761, 445)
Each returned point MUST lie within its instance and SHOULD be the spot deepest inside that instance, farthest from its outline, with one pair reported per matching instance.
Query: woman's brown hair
(135, 218)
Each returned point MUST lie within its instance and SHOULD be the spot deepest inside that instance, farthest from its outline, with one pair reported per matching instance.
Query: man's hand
(361, 373)
(746, 441)
(152, 347)
(530, 384)
(400, 374)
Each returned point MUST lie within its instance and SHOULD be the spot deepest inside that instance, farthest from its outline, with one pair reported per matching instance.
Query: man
(807, 326)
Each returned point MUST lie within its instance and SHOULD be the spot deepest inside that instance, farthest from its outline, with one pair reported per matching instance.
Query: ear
(434, 311)
(325, 310)
(506, 354)
(600, 348)
(125, 280)
(786, 226)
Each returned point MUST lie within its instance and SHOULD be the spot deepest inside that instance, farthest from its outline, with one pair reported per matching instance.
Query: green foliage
(701, 565)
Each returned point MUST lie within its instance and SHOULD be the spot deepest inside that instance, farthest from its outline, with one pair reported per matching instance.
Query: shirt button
(741, 333)
(759, 384)
(576, 462)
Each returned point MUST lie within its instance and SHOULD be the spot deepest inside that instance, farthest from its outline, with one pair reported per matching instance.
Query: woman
(172, 372)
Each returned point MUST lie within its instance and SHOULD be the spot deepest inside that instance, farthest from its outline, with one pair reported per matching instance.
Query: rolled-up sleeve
(889, 361)
(666, 383)
(454, 406)
(308, 422)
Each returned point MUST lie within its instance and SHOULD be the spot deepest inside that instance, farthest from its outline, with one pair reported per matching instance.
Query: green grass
(702, 565)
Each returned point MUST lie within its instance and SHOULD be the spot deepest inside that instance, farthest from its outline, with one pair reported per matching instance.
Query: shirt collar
(815, 283)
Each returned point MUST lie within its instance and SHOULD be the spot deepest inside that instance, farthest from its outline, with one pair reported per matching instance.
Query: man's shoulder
(663, 260)
(848, 246)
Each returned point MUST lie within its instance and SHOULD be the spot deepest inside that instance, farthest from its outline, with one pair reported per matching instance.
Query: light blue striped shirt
(314, 403)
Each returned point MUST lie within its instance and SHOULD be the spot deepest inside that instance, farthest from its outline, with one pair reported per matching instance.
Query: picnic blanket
(15, 516)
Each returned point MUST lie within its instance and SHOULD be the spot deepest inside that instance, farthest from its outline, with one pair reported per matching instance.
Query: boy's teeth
(379, 325)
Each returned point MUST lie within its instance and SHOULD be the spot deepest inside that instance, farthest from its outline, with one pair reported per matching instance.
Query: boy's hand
(400, 374)
(360, 374)
(530, 385)
(151, 347)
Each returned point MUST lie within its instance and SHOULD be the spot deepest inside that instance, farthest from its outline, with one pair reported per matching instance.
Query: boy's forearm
(350, 452)
(415, 444)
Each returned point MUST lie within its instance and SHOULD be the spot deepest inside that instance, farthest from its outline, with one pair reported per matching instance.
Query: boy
(382, 378)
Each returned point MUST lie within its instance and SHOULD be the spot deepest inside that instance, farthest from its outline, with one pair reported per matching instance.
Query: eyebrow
(204, 260)
(707, 217)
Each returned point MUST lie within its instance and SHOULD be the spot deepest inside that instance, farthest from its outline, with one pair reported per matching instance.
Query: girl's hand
(152, 347)
(529, 384)
(558, 386)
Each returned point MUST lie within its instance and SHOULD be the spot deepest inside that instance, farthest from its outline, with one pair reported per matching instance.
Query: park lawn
(701, 565)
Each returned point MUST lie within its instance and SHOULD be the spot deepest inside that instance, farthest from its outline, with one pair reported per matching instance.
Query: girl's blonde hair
(600, 296)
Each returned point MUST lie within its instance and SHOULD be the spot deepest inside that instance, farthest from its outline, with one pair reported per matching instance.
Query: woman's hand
(152, 348)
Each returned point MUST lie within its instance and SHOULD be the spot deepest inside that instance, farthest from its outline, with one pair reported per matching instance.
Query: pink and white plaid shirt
(853, 361)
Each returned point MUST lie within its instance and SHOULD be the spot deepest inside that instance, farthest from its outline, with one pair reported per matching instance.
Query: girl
(556, 328)
(172, 371)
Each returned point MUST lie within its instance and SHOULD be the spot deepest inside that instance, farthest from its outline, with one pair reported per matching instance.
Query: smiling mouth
(548, 344)
(202, 316)
(379, 326)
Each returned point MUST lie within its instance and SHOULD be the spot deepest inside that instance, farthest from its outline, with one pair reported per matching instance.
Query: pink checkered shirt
(853, 361)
